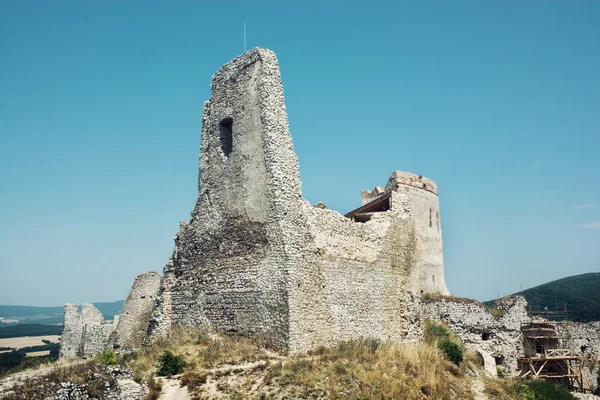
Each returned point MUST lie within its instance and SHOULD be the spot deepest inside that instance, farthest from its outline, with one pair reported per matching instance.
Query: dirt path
(173, 391)
(478, 388)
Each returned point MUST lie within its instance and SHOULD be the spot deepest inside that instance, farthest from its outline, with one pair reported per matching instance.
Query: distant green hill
(580, 293)
(49, 315)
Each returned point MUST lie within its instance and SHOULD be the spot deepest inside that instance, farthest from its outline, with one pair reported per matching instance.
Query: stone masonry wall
(585, 340)
(360, 281)
(85, 333)
(229, 264)
(425, 211)
(498, 340)
(132, 328)
(257, 258)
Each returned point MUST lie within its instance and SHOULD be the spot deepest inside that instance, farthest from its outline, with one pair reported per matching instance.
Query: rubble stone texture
(498, 340)
(585, 340)
(256, 258)
(85, 333)
(132, 329)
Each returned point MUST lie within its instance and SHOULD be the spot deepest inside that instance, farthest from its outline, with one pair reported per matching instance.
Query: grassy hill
(49, 315)
(580, 293)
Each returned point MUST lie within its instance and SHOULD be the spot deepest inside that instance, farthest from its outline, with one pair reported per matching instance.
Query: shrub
(170, 364)
(540, 389)
(435, 332)
(500, 372)
(453, 351)
(107, 357)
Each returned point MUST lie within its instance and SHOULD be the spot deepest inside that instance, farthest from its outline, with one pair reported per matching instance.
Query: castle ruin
(256, 258)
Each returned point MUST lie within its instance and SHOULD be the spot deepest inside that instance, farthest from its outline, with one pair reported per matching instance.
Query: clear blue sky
(100, 114)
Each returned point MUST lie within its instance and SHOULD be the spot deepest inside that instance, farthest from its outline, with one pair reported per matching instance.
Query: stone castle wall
(132, 328)
(497, 339)
(256, 258)
(584, 339)
(85, 333)
(425, 211)
(230, 262)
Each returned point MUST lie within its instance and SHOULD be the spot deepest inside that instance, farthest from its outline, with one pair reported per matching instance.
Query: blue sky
(100, 114)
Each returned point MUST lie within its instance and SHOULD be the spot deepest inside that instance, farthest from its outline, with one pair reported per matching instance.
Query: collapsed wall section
(85, 333)
(497, 338)
(132, 328)
(362, 283)
(584, 339)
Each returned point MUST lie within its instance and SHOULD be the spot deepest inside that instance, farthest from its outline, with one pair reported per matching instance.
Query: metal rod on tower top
(244, 37)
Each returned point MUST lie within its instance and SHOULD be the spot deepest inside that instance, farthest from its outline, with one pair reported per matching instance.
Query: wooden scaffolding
(545, 356)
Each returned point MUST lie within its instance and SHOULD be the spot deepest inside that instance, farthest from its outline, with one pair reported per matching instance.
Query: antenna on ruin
(244, 37)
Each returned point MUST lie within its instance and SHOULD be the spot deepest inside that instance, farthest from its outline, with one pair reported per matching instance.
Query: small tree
(107, 357)
(170, 364)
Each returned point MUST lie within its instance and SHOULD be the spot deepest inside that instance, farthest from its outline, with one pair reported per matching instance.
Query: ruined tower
(425, 212)
(257, 258)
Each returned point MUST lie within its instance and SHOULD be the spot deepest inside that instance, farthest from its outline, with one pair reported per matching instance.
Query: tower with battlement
(256, 258)
(425, 212)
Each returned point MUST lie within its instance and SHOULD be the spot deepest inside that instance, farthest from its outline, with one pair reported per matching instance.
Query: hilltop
(579, 293)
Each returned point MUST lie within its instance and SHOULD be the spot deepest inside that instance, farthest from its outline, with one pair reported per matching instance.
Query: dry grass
(236, 367)
(433, 297)
(501, 389)
(199, 348)
(93, 375)
(366, 369)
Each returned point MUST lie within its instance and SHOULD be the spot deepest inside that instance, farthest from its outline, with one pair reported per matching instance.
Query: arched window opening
(226, 135)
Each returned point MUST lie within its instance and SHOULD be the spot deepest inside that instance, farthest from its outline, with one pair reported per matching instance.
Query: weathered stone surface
(481, 332)
(257, 258)
(584, 339)
(132, 329)
(85, 333)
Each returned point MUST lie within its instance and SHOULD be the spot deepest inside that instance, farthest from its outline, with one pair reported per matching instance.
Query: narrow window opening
(430, 217)
(433, 278)
(437, 217)
(499, 360)
(485, 336)
(226, 135)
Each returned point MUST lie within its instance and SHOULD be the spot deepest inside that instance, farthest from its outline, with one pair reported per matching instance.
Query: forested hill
(50, 315)
(580, 293)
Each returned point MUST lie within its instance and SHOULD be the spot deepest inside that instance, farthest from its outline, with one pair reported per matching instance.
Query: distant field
(19, 342)
(38, 353)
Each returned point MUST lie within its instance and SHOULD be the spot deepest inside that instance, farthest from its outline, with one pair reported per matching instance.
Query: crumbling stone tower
(425, 212)
(257, 258)
(231, 263)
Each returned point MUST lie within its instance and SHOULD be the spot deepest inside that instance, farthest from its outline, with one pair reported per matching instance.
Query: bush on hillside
(107, 357)
(452, 350)
(540, 389)
(436, 333)
(170, 364)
